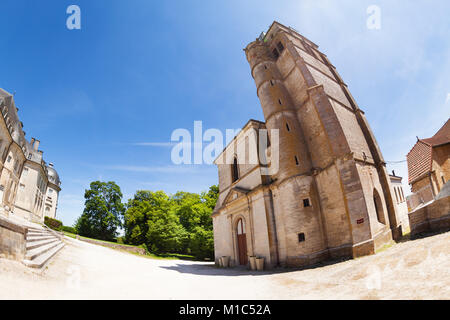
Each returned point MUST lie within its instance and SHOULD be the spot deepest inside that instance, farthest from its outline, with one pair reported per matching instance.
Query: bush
(69, 229)
(202, 243)
(144, 246)
(53, 223)
(120, 240)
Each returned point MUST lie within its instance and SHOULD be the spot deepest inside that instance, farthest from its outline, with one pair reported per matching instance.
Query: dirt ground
(418, 269)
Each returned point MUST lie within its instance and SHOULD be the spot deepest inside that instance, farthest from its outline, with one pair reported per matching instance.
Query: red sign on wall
(360, 221)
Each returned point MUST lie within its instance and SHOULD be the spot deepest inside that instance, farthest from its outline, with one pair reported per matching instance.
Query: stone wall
(423, 189)
(12, 240)
(441, 165)
(433, 217)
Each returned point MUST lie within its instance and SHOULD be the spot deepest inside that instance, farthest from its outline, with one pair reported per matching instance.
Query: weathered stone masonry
(332, 195)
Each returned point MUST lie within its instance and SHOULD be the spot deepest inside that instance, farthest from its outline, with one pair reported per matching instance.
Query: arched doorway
(242, 242)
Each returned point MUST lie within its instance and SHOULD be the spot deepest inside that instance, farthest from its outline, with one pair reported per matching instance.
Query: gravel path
(418, 269)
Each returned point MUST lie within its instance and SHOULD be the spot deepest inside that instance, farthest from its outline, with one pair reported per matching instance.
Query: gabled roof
(233, 194)
(420, 157)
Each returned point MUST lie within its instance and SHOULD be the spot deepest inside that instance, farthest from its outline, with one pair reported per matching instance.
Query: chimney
(393, 173)
(32, 141)
(36, 144)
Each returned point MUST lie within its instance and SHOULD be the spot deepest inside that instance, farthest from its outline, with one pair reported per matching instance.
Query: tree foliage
(177, 224)
(180, 223)
(103, 212)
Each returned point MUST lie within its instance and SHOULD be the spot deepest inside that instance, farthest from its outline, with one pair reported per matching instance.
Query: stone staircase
(42, 244)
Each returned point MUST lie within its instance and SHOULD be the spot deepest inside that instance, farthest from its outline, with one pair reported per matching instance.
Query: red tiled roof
(419, 160)
(420, 157)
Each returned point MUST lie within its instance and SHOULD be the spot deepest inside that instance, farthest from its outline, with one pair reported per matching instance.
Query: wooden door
(242, 242)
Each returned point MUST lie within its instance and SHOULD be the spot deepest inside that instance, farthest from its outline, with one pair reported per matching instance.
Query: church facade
(331, 195)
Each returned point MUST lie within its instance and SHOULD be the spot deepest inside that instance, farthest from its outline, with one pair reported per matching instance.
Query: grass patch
(175, 256)
(164, 256)
(385, 247)
(71, 235)
(150, 255)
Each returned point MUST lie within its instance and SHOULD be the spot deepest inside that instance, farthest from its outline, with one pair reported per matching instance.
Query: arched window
(396, 194)
(235, 170)
(240, 227)
(378, 207)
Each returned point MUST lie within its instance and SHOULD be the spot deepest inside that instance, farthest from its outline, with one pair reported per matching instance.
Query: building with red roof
(429, 166)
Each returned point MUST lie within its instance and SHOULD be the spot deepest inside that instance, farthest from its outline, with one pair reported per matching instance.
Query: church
(330, 195)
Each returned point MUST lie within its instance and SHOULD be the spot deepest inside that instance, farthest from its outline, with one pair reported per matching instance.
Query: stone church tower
(331, 196)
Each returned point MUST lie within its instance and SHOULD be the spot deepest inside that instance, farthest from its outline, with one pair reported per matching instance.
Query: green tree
(211, 196)
(180, 223)
(165, 233)
(103, 212)
(139, 210)
(194, 212)
(202, 243)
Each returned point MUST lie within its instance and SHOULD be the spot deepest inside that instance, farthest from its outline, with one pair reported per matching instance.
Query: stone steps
(41, 245)
(38, 238)
(33, 253)
(42, 259)
(37, 232)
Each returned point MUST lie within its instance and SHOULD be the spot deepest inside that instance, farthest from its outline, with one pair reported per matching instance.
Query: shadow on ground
(423, 235)
(210, 269)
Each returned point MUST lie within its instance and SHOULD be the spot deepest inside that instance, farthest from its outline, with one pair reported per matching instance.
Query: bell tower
(328, 159)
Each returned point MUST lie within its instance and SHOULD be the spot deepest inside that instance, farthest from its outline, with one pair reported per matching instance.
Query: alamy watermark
(250, 147)
(73, 280)
(74, 20)
(376, 276)
(374, 19)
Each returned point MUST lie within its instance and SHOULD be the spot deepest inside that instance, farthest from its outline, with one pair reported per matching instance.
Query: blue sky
(137, 70)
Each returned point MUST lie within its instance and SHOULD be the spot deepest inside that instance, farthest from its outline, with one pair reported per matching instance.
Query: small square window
(301, 237)
(306, 203)
(280, 47)
(275, 53)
